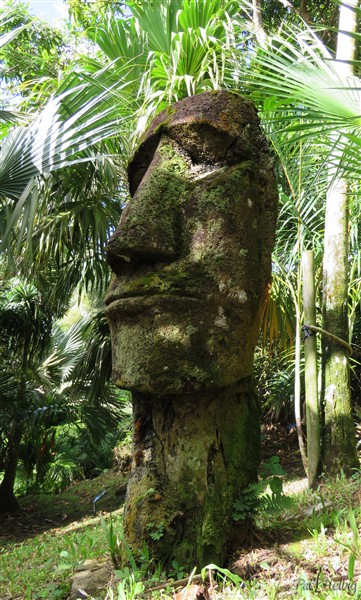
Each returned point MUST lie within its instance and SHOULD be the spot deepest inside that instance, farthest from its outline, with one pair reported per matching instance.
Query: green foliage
(129, 588)
(135, 569)
(41, 392)
(36, 57)
(275, 378)
(84, 539)
(75, 445)
(55, 456)
(320, 539)
(156, 531)
(120, 551)
(78, 549)
(226, 573)
(25, 322)
(61, 473)
(113, 539)
(178, 571)
(256, 499)
(353, 546)
(50, 579)
(144, 56)
(148, 55)
(89, 14)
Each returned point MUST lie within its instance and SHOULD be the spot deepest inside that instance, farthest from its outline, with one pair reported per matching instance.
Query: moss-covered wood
(192, 457)
(192, 260)
(311, 376)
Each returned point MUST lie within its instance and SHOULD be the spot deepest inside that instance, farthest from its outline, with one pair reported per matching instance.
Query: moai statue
(192, 265)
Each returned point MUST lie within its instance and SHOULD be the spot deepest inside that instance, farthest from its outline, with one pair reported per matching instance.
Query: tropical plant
(30, 64)
(264, 496)
(25, 332)
(291, 80)
(316, 112)
(40, 388)
(44, 225)
(144, 57)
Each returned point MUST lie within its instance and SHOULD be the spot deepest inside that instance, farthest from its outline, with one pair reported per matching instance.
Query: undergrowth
(41, 566)
(309, 548)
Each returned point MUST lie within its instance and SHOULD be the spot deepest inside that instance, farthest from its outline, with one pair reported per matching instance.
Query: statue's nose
(150, 227)
(145, 233)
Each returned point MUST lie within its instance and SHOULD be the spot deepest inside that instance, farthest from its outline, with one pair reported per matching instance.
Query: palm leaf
(159, 21)
(66, 346)
(78, 118)
(6, 38)
(297, 78)
(94, 367)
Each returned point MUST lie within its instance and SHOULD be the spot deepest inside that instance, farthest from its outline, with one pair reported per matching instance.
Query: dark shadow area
(42, 512)
(281, 440)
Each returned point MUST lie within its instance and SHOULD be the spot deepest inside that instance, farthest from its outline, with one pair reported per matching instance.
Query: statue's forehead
(211, 127)
(219, 111)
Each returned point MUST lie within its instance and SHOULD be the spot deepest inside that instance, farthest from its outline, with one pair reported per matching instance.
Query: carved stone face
(192, 253)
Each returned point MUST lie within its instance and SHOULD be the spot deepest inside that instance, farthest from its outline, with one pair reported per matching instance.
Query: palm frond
(301, 91)
(65, 348)
(6, 38)
(94, 367)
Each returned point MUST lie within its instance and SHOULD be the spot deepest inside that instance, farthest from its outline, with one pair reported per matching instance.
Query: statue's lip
(118, 302)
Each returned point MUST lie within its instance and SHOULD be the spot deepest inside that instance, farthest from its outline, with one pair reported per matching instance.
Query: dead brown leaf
(193, 592)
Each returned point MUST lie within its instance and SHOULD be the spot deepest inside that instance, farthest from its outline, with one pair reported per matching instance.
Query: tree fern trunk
(8, 501)
(339, 444)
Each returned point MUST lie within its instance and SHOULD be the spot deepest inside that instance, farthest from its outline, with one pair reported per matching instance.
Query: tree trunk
(346, 41)
(8, 501)
(260, 33)
(297, 388)
(311, 382)
(339, 443)
(192, 457)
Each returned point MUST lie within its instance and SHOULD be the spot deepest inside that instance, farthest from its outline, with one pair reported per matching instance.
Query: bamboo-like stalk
(311, 383)
(258, 23)
(298, 411)
(297, 388)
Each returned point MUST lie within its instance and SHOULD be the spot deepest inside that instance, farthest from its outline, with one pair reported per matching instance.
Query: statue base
(192, 457)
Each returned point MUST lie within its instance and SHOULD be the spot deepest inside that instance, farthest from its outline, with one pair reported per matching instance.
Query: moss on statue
(185, 485)
(161, 187)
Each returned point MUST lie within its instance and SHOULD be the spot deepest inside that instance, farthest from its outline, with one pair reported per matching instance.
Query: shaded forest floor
(48, 511)
(43, 512)
(302, 551)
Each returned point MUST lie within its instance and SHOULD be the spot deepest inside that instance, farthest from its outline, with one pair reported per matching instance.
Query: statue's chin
(168, 380)
(163, 351)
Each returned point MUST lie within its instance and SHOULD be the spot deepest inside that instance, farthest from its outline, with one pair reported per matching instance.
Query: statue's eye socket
(201, 142)
(142, 158)
(135, 181)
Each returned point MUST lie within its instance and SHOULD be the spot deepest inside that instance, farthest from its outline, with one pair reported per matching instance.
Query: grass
(306, 549)
(34, 569)
(303, 552)
(31, 565)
